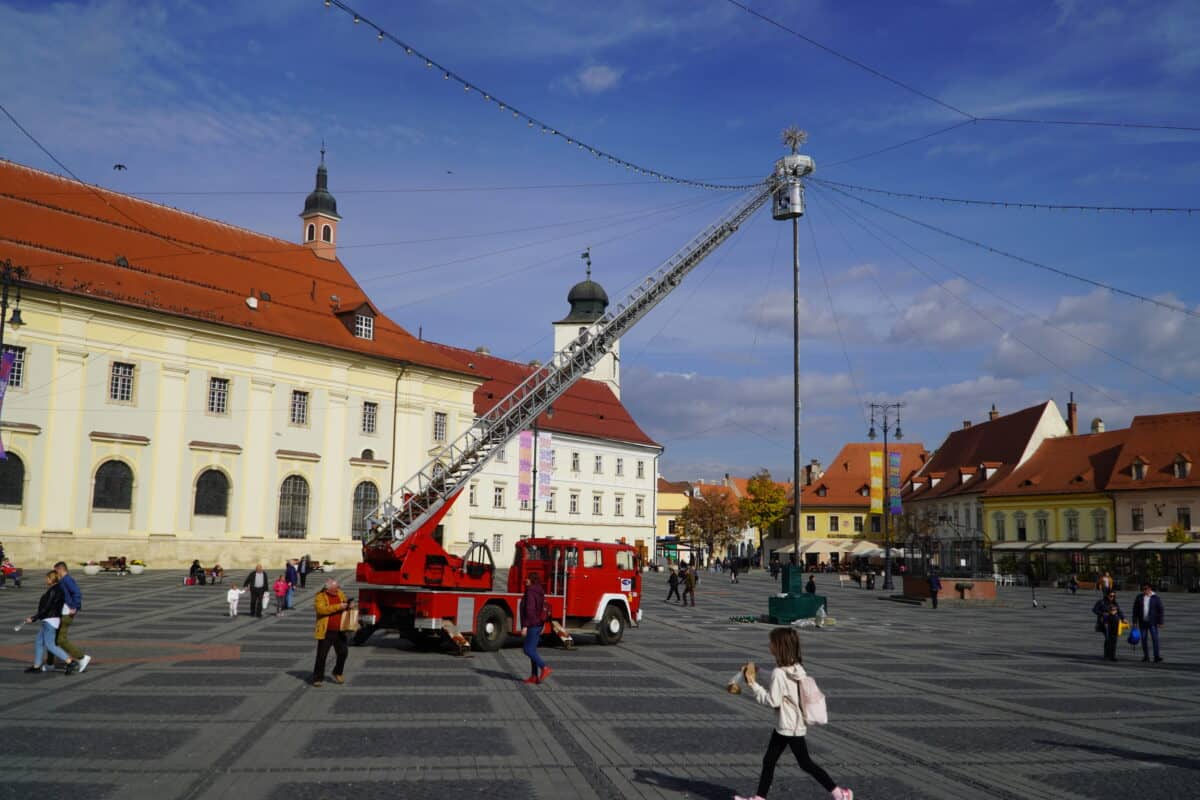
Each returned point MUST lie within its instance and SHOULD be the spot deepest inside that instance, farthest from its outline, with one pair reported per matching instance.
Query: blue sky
(220, 109)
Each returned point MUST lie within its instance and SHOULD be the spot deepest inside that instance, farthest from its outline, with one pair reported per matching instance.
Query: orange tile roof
(1160, 439)
(850, 471)
(997, 443)
(1065, 465)
(676, 487)
(589, 408)
(70, 237)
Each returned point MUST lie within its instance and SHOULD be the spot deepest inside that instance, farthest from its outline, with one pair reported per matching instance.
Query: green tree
(1176, 533)
(711, 520)
(765, 503)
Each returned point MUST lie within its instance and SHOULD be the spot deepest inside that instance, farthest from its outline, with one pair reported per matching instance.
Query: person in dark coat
(1148, 617)
(811, 586)
(258, 583)
(1108, 617)
(673, 583)
(196, 572)
(935, 586)
(534, 616)
(689, 585)
(305, 568)
(292, 576)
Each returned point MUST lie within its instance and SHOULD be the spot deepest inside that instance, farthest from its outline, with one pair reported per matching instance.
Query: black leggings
(800, 750)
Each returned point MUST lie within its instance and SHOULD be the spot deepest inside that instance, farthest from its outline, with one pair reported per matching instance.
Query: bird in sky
(120, 167)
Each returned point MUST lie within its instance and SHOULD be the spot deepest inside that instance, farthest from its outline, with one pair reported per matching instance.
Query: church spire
(320, 216)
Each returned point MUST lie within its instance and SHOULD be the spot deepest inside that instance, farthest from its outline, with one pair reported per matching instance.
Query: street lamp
(10, 276)
(533, 500)
(884, 410)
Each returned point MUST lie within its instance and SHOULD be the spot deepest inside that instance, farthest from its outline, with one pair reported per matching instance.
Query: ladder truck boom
(426, 493)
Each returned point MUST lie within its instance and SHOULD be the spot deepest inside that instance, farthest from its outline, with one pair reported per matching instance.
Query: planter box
(136, 569)
(917, 587)
(91, 569)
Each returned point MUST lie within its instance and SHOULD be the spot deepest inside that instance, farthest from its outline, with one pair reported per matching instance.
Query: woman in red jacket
(534, 616)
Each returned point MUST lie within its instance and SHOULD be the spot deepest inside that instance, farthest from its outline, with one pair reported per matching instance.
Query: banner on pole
(876, 481)
(545, 465)
(6, 366)
(893, 483)
(525, 467)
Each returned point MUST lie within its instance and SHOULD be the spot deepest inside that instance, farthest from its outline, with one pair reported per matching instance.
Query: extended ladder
(425, 493)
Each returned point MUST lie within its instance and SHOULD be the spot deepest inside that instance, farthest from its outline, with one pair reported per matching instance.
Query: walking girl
(534, 616)
(49, 614)
(784, 697)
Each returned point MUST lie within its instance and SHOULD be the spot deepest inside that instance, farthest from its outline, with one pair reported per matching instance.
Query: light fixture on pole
(885, 410)
(788, 203)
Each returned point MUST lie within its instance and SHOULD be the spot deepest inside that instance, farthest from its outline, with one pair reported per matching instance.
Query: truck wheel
(361, 635)
(612, 625)
(491, 629)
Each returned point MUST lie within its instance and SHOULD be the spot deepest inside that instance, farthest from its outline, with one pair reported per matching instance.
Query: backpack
(812, 702)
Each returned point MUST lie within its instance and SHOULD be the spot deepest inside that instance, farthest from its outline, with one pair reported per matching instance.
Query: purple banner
(545, 445)
(525, 467)
(6, 365)
(893, 478)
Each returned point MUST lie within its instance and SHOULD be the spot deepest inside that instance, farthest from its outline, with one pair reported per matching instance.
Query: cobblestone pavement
(997, 702)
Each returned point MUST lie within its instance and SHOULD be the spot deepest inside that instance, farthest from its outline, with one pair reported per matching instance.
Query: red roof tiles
(1160, 440)
(92, 242)
(850, 472)
(589, 408)
(1066, 464)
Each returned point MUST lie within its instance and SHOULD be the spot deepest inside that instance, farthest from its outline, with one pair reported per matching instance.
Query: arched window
(326, 233)
(113, 490)
(312, 233)
(212, 494)
(366, 498)
(293, 508)
(368, 455)
(12, 481)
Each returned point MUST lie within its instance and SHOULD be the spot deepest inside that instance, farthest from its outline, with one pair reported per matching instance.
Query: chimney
(483, 351)
(1097, 425)
(993, 413)
(812, 472)
(966, 424)
(1072, 416)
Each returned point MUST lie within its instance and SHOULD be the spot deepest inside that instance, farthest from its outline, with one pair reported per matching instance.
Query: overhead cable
(1021, 259)
(1012, 203)
(532, 122)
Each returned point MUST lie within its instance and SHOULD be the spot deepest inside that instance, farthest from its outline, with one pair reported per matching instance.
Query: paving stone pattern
(999, 702)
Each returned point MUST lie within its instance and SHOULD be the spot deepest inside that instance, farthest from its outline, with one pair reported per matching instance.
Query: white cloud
(945, 316)
(592, 79)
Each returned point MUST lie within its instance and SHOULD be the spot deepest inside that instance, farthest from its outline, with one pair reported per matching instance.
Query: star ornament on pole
(794, 136)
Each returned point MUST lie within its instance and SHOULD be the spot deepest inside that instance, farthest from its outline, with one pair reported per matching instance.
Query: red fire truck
(423, 590)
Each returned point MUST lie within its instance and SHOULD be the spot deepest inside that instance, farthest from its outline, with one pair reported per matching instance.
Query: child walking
(281, 588)
(232, 596)
(784, 696)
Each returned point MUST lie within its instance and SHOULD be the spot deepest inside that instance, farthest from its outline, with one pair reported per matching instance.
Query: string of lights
(970, 117)
(1021, 259)
(897, 146)
(1010, 203)
(979, 312)
(1017, 306)
(532, 122)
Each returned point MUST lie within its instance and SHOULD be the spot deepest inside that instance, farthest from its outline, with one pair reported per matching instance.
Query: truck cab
(590, 585)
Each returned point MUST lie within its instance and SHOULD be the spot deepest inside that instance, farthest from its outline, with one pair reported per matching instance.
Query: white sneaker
(755, 797)
(83, 662)
(842, 793)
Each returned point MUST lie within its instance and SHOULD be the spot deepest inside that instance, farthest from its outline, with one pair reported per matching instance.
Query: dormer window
(1139, 470)
(364, 326)
(1183, 467)
(821, 492)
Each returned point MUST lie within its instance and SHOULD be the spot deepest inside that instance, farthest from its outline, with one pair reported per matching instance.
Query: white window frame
(498, 496)
(497, 542)
(370, 416)
(641, 469)
(473, 495)
(441, 426)
(573, 507)
(549, 506)
(16, 378)
(619, 505)
(218, 396)
(620, 467)
(598, 465)
(122, 382)
(639, 506)
(597, 503)
(298, 409)
(364, 327)
(575, 462)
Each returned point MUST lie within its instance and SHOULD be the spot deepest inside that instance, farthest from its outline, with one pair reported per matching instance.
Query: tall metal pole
(887, 537)
(796, 388)
(533, 497)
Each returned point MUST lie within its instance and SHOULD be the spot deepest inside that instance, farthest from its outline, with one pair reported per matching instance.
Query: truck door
(587, 582)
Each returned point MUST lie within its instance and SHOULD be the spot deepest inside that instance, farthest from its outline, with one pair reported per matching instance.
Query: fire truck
(422, 590)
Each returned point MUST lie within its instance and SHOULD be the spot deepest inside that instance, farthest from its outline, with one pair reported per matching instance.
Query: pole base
(887, 585)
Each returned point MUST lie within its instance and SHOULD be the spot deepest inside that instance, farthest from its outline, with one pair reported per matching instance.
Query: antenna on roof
(322, 150)
(586, 255)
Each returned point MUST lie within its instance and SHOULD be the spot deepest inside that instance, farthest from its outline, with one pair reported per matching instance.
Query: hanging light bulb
(380, 37)
(328, 3)
(502, 107)
(531, 123)
(445, 76)
(428, 64)
(487, 97)
(408, 51)
(357, 19)
(466, 87)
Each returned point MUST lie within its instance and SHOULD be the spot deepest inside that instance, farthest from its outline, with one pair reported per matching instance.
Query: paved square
(992, 702)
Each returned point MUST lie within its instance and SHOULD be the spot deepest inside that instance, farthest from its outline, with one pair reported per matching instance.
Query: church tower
(320, 218)
(588, 302)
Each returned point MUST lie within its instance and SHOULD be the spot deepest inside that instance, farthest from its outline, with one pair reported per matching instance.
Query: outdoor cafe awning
(1013, 546)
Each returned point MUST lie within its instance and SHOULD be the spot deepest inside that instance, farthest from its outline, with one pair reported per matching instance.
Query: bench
(113, 562)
